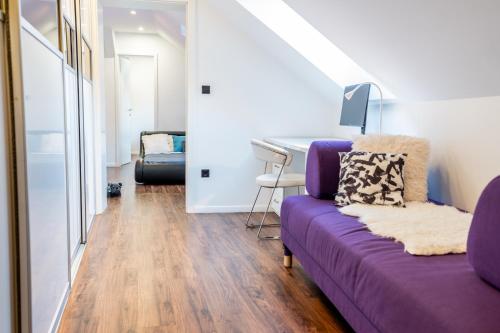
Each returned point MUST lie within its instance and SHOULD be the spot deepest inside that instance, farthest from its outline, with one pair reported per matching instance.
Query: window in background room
(43, 16)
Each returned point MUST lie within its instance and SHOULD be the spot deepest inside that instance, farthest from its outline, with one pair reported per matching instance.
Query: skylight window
(309, 42)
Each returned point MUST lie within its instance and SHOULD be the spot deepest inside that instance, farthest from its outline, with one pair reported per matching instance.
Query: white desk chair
(273, 154)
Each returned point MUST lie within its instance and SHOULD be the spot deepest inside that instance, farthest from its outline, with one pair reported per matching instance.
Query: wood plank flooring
(150, 267)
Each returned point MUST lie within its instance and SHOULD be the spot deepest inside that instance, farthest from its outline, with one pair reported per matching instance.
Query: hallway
(150, 267)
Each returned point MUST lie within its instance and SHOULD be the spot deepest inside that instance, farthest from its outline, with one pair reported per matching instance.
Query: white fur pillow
(415, 170)
(158, 144)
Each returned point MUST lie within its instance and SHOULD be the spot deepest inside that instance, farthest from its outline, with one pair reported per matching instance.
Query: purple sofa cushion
(483, 244)
(323, 167)
(300, 211)
(395, 291)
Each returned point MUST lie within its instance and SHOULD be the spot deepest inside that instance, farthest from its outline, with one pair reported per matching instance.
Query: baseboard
(56, 321)
(205, 209)
(75, 265)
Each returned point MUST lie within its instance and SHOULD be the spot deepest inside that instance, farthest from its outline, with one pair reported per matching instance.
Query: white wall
(464, 138)
(110, 107)
(253, 96)
(171, 75)
(97, 28)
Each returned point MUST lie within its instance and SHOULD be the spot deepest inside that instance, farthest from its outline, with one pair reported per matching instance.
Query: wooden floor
(150, 267)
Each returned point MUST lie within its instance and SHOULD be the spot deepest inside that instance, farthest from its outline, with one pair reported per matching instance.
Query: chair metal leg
(253, 207)
(298, 190)
(248, 225)
(264, 218)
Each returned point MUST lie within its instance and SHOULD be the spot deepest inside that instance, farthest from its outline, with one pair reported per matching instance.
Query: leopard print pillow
(371, 178)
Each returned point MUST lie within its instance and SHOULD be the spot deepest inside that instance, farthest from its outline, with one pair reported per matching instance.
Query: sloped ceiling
(425, 50)
(164, 18)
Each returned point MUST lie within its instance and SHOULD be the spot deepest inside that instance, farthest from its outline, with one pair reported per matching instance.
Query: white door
(142, 83)
(125, 108)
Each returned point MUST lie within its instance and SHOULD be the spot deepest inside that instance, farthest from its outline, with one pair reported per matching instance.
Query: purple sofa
(374, 284)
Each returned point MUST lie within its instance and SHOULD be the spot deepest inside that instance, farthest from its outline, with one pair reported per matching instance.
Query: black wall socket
(205, 173)
(205, 90)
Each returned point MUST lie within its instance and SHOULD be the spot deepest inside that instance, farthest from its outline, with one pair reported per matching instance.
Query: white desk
(296, 144)
(300, 144)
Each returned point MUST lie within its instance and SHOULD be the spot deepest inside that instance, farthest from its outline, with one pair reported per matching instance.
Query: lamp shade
(348, 95)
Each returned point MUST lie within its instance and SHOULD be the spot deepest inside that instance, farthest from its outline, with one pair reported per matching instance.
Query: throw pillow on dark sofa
(179, 143)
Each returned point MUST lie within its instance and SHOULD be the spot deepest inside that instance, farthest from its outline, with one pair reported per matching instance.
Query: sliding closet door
(72, 130)
(46, 175)
(73, 155)
(6, 323)
(46, 158)
(52, 108)
(87, 111)
(89, 157)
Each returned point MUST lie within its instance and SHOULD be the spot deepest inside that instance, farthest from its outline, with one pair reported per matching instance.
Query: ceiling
(165, 18)
(146, 4)
(424, 50)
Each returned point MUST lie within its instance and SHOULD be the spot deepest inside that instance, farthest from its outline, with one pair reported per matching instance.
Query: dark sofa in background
(160, 168)
(371, 280)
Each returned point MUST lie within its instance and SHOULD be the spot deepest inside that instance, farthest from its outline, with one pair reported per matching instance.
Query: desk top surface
(296, 143)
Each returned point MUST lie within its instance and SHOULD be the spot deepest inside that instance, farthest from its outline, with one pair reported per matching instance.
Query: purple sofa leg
(287, 257)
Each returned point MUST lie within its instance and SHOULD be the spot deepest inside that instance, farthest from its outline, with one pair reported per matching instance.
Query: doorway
(137, 100)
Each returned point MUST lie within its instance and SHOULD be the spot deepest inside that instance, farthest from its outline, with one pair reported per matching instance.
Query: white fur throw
(424, 228)
(415, 170)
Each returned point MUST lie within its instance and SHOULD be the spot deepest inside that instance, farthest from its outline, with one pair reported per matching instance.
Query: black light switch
(205, 90)
(205, 173)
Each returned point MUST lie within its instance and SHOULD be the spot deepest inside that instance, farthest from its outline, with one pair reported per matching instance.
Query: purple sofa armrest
(483, 244)
(323, 167)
